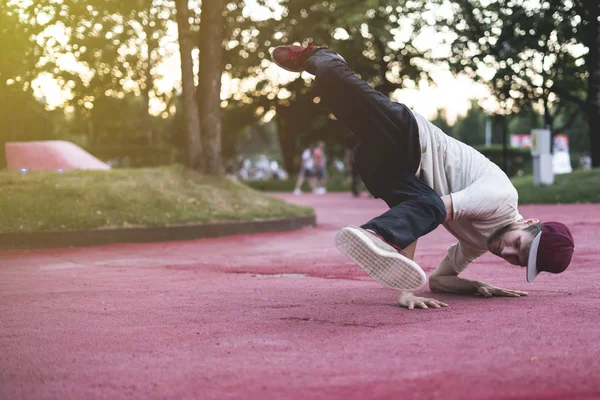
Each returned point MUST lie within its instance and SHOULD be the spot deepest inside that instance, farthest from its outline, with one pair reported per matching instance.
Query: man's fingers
(509, 293)
(489, 291)
(435, 303)
(519, 292)
(506, 293)
(423, 303)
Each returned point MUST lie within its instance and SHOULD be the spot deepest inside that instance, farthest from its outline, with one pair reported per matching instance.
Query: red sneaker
(292, 58)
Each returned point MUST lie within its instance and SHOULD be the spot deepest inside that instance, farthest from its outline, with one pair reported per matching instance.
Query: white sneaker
(297, 192)
(382, 261)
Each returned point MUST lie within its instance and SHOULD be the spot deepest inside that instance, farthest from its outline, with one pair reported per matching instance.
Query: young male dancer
(426, 178)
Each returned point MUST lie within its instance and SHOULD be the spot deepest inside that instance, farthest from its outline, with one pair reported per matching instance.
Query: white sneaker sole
(391, 270)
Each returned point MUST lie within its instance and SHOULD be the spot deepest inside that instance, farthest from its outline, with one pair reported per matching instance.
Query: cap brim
(532, 270)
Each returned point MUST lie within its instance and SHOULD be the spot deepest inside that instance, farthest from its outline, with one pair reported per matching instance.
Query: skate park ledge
(96, 237)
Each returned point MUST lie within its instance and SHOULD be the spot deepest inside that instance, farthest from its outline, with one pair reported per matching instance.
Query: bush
(137, 156)
(582, 186)
(519, 159)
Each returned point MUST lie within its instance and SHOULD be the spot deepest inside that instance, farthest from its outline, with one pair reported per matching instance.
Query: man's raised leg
(368, 113)
(387, 157)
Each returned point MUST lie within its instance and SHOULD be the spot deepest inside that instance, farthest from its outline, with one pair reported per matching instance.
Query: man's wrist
(447, 199)
(404, 295)
(477, 285)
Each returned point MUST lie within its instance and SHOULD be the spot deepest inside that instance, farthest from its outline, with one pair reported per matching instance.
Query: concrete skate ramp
(50, 155)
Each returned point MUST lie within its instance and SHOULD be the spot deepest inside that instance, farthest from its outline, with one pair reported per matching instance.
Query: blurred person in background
(320, 163)
(307, 171)
(350, 164)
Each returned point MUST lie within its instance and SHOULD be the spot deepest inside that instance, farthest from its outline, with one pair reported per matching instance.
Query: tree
(470, 129)
(534, 51)
(148, 13)
(375, 36)
(587, 33)
(190, 106)
(441, 121)
(114, 46)
(23, 116)
(578, 134)
(209, 83)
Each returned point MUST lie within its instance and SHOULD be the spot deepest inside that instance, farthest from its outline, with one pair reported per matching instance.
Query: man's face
(512, 243)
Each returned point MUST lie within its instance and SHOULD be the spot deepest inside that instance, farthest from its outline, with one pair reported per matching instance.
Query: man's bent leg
(411, 249)
(415, 210)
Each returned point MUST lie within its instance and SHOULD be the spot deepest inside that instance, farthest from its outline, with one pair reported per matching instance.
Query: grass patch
(581, 186)
(49, 201)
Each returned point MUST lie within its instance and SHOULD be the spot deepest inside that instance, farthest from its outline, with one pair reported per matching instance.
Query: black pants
(388, 151)
(355, 178)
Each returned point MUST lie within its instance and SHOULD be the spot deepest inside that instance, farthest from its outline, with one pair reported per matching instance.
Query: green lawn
(581, 186)
(48, 201)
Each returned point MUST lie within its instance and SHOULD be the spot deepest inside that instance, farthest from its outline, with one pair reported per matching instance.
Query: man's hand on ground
(410, 301)
(487, 290)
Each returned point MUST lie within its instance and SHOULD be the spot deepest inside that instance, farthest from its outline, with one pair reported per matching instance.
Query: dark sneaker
(292, 57)
(388, 264)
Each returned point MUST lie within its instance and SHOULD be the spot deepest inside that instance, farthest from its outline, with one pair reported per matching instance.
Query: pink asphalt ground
(215, 319)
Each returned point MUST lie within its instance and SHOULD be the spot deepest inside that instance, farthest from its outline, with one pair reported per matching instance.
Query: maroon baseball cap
(551, 250)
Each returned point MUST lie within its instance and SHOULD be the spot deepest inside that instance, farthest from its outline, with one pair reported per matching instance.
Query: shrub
(519, 159)
(137, 156)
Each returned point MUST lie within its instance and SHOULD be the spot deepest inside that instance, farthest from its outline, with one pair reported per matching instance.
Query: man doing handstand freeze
(426, 178)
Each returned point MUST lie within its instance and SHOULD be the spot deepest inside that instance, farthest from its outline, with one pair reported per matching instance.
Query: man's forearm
(452, 284)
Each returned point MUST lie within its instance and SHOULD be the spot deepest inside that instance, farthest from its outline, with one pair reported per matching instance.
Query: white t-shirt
(319, 158)
(484, 200)
(307, 159)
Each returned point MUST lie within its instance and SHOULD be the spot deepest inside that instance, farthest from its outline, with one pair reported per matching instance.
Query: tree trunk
(147, 84)
(548, 122)
(286, 141)
(593, 63)
(190, 106)
(209, 84)
(594, 124)
(504, 127)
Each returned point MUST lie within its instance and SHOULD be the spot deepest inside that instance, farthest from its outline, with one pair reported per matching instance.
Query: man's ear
(531, 221)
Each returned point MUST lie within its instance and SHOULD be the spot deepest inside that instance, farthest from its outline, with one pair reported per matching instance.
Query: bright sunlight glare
(452, 94)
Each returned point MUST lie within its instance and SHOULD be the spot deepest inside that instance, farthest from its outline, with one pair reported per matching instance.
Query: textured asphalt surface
(285, 316)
